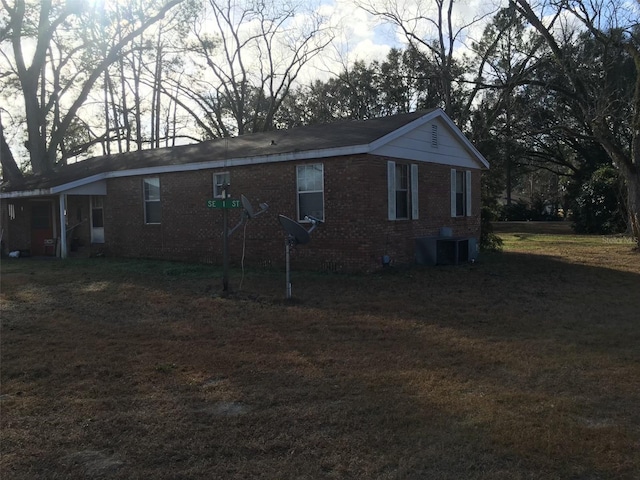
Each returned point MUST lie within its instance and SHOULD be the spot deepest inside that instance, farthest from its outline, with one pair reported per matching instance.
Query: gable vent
(434, 136)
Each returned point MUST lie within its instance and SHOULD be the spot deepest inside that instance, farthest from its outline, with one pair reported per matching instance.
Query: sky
(362, 36)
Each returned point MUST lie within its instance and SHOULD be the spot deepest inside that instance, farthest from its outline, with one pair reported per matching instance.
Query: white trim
(97, 233)
(145, 200)
(418, 122)
(77, 183)
(215, 184)
(453, 193)
(414, 191)
(465, 141)
(298, 192)
(261, 159)
(391, 190)
(63, 226)
(467, 193)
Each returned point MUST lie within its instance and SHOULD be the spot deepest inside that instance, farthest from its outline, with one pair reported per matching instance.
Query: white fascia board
(71, 188)
(437, 113)
(235, 162)
(94, 188)
(466, 142)
(74, 186)
(428, 157)
(40, 192)
(380, 142)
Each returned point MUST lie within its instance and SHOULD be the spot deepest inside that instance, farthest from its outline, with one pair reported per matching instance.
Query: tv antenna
(296, 235)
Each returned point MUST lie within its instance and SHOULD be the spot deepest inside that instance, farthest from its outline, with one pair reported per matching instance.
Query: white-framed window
(310, 190)
(460, 193)
(402, 191)
(152, 202)
(12, 211)
(220, 180)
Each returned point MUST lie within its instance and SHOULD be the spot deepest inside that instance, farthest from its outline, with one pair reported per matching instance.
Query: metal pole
(287, 248)
(63, 225)
(225, 242)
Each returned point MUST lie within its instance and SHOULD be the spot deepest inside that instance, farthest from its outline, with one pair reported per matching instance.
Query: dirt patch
(93, 463)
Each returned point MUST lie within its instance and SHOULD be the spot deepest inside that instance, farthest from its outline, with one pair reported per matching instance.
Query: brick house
(378, 185)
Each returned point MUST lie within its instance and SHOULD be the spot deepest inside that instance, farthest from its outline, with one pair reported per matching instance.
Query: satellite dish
(296, 235)
(246, 204)
(296, 231)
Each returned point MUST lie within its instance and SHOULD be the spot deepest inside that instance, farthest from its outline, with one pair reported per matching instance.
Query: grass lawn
(525, 365)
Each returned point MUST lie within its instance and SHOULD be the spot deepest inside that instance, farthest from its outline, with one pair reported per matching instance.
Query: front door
(97, 220)
(41, 229)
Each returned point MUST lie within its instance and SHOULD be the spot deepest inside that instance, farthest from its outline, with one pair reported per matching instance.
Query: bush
(517, 212)
(599, 205)
(489, 241)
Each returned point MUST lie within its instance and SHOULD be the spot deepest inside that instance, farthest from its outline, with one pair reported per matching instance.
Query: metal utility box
(445, 250)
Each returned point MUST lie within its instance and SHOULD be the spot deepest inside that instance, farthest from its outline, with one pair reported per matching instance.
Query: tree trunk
(10, 170)
(632, 177)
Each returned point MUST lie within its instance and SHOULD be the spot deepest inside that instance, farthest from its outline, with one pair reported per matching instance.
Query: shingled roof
(264, 144)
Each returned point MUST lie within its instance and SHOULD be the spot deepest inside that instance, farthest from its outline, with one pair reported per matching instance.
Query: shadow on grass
(518, 367)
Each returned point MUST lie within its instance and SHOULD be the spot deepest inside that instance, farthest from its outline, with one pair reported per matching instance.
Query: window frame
(460, 193)
(411, 195)
(218, 184)
(403, 190)
(147, 201)
(97, 204)
(300, 192)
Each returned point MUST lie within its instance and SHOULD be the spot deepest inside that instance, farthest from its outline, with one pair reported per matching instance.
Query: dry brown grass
(525, 365)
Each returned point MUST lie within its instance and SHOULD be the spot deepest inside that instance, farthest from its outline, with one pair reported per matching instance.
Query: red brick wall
(355, 235)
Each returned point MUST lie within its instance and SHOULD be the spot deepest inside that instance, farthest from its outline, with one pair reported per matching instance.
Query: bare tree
(57, 78)
(430, 27)
(614, 27)
(254, 55)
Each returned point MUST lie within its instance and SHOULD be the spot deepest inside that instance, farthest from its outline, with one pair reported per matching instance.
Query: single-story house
(380, 186)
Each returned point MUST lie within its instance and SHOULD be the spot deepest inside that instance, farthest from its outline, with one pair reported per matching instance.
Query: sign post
(225, 242)
(225, 203)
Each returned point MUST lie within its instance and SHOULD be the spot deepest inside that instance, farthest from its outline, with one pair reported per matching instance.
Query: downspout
(63, 225)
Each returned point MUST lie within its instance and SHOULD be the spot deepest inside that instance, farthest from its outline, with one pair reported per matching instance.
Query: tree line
(549, 91)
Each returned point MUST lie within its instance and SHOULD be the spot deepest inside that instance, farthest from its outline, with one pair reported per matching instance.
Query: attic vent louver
(434, 136)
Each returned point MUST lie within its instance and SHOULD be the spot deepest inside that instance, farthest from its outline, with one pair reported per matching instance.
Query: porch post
(63, 226)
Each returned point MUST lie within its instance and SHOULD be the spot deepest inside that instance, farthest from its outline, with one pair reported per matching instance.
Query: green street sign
(219, 203)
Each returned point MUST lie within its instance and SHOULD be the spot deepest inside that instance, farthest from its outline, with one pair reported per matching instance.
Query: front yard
(525, 365)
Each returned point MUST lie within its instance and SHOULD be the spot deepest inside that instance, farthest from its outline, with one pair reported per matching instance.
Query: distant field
(525, 365)
(555, 228)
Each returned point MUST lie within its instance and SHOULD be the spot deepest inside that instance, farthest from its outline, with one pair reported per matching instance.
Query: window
(460, 193)
(12, 211)
(97, 219)
(219, 181)
(402, 190)
(310, 181)
(152, 204)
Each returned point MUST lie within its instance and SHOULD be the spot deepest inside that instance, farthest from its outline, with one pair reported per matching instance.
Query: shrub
(599, 205)
(489, 241)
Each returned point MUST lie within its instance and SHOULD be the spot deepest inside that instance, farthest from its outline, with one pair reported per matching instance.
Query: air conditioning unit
(445, 250)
